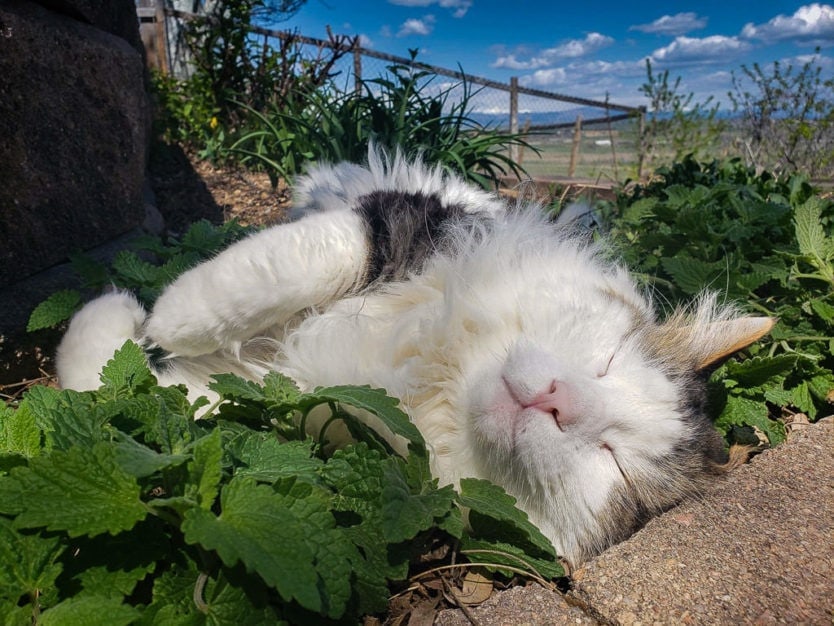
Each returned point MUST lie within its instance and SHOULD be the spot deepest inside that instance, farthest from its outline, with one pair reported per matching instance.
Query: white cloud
(689, 50)
(812, 23)
(365, 41)
(460, 7)
(546, 78)
(416, 26)
(677, 24)
(571, 49)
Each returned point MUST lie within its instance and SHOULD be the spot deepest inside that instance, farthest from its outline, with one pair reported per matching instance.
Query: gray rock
(74, 117)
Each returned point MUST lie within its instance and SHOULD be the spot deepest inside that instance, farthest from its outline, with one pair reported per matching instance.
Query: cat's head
(578, 401)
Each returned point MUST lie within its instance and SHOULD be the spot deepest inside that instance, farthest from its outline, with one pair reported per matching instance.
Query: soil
(187, 189)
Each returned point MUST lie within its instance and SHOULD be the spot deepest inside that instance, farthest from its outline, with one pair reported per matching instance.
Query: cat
(521, 351)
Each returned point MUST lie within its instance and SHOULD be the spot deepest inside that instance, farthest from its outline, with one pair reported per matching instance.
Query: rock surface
(74, 117)
(758, 549)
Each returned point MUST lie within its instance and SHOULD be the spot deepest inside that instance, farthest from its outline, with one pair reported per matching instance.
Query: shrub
(763, 241)
(400, 110)
(787, 117)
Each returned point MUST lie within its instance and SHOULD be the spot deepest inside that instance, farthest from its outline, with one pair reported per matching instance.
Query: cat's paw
(179, 326)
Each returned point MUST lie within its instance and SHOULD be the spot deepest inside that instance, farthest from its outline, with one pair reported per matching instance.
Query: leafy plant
(787, 115)
(762, 241)
(401, 110)
(145, 269)
(118, 507)
(676, 125)
(227, 70)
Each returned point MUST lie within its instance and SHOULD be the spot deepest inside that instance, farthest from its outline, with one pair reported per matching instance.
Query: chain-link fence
(569, 137)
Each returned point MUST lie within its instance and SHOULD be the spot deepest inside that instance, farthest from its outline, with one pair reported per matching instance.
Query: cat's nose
(555, 398)
(557, 401)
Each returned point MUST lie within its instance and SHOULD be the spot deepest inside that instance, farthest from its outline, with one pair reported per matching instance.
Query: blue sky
(587, 50)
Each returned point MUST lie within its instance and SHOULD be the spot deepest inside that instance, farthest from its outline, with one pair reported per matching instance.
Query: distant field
(604, 155)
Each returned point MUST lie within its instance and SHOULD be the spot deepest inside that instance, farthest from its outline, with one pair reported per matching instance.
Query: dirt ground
(187, 189)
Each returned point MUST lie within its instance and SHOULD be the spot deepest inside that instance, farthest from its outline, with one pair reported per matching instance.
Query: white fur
(327, 187)
(94, 334)
(515, 321)
(265, 280)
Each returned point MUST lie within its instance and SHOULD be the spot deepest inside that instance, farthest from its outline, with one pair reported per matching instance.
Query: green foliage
(231, 69)
(787, 117)
(54, 310)
(131, 269)
(117, 507)
(400, 110)
(677, 126)
(760, 240)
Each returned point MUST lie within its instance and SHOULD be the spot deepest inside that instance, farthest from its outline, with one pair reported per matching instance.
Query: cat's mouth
(555, 414)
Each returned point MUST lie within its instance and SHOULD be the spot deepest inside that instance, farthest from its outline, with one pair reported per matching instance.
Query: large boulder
(74, 118)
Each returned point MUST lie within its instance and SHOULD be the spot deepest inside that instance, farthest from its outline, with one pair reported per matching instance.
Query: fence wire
(570, 137)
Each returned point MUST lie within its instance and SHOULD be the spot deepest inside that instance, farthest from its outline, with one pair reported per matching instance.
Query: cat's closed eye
(604, 371)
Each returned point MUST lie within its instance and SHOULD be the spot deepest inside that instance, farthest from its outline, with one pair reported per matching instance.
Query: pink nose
(557, 401)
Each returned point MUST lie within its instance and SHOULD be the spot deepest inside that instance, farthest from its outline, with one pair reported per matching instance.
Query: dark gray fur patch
(404, 229)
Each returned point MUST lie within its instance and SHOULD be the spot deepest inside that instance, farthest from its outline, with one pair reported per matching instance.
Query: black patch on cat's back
(404, 229)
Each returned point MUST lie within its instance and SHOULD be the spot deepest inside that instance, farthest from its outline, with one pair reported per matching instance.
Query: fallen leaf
(475, 590)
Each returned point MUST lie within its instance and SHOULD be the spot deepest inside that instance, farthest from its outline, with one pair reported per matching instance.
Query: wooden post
(161, 39)
(574, 150)
(613, 147)
(514, 115)
(526, 130)
(357, 69)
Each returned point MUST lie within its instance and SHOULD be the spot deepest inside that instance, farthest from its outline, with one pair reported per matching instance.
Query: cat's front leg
(260, 282)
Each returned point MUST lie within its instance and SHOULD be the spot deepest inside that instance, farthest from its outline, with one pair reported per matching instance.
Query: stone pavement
(758, 549)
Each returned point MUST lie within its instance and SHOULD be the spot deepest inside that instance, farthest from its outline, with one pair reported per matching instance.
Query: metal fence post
(357, 69)
(574, 149)
(514, 116)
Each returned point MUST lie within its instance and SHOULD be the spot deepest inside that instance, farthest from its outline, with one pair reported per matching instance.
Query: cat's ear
(725, 337)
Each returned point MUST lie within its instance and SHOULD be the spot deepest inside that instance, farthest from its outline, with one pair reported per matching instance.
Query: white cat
(521, 354)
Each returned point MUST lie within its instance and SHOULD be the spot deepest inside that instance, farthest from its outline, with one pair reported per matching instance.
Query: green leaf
(487, 500)
(171, 422)
(141, 461)
(690, 274)
(744, 412)
(757, 372)
(126, 373)
(89, 611)
(289, 539)
(824, 310)
(222, 602)
(501, 553)
(801, 399)
(55, 309)
(27, 563)
(69, 418)
(404, 513)
(355, 474)
(266, 459)
(233, 387)
(280, 389)
(809, 231)
(19, 434)
(375, 401)
(133, 271)
(81, 491)
(205, 470)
